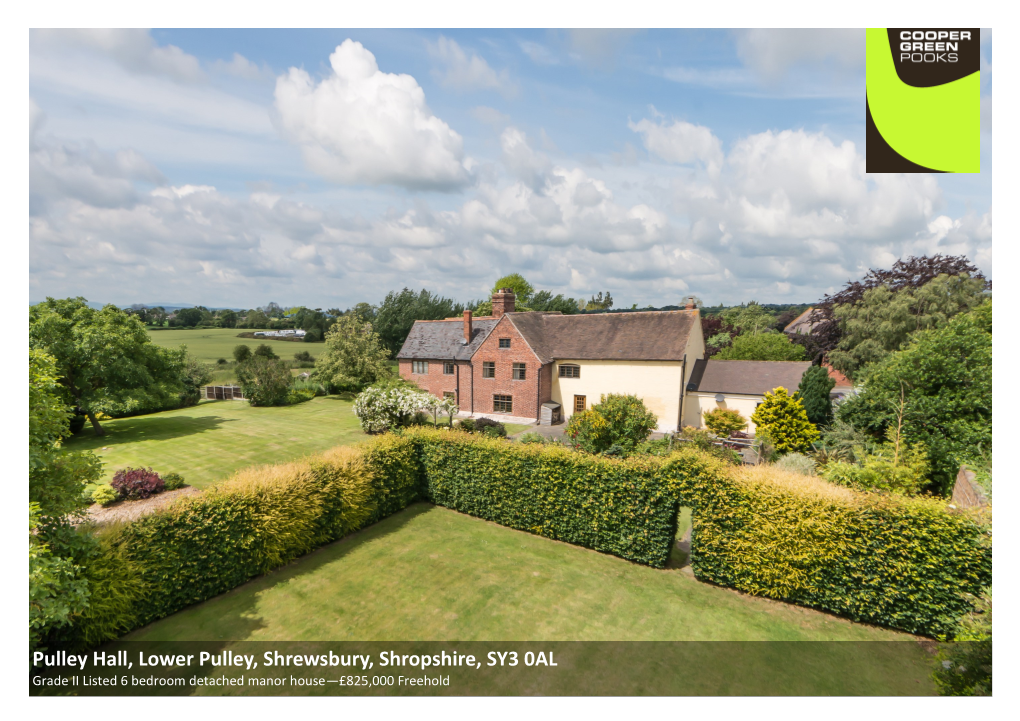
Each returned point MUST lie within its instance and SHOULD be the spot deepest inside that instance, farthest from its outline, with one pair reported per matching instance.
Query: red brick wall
(436, 382)
(525, 393)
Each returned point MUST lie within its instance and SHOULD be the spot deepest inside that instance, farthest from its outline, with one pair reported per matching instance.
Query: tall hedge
(203, 545)
(882, 559)
(614, 506)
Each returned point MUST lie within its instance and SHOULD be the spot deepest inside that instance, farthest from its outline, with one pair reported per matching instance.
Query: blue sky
(326, 167)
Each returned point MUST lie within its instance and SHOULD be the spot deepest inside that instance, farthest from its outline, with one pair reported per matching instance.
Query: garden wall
(897, 562)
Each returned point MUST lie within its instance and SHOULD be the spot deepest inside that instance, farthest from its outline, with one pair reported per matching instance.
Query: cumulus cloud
(461, 71)
(132, 49)
(360, 125)
(789, 216)
(539, 54)
(681, 142)
(771, 53)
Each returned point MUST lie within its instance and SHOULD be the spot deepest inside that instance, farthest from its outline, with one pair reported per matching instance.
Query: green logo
(924, 100)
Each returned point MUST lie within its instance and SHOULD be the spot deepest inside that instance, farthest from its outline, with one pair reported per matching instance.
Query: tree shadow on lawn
(144, 428)
(240, 617)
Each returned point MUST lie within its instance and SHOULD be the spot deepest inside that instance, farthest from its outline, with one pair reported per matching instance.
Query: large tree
(770, 346)
(544, 300)
(938, 389)
(354, 356)
(188, 317)
(883, 319)
(913, 272)
(750, 319)
(399, 311)
(105, 359)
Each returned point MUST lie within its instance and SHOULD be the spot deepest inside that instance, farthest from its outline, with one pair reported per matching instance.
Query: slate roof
(645, 335)
(444, 339)
(752, 378)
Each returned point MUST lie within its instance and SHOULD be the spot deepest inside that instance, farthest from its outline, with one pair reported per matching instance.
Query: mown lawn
(430, 574)
(208, 442)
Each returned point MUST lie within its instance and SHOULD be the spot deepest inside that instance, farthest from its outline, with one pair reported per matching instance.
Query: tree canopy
(770, 346)
(883, 319)
(399, 311)
(940, 387)
(105, 359)
(354, 356)
(523, 290)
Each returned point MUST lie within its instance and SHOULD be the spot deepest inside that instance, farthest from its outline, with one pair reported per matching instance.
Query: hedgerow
(884, 559)
(610, 505)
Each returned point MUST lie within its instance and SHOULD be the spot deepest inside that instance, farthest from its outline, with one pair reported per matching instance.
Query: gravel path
(130, 510)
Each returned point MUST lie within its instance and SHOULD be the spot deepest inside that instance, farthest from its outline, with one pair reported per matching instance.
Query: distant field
(210, 344)
(208, 442)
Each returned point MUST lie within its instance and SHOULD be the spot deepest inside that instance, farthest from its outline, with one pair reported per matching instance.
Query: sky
(231, 168)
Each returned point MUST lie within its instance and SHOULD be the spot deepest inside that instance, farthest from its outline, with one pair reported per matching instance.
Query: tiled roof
(444, 339)
(803, 324)
(645, 335)
(752, 378)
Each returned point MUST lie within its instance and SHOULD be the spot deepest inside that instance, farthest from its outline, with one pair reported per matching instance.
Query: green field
(450, 577)
(208, 442)
(210, 344)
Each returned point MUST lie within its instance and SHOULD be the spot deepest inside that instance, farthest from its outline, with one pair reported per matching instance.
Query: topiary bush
(104, 494)
(724, 421)
(137, 483)
(172, 481)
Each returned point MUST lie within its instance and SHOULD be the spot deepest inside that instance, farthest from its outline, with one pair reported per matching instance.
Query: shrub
(265, 351)
(242, 352)
(899, 470)
(300, 395)
(304, 357)
(222, 361)
(104, 494)
(532, 437)
(814, 389)
(264, 381)
(172, 481)
(797, 463)
(615, 420)
(724, 421)
(136, 483)
(704, 441)
(782, 416)
(382, 409)
(883, 559)
(467, 425)
(964, 668)
(483, 425)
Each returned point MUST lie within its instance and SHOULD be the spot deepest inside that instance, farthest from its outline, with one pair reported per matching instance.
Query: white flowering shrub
(441, 407)
(380, 409)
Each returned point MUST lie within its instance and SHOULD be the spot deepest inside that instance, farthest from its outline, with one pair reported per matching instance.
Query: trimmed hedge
(203, 545)
(882, 559)
(614, 506)
(888, 560)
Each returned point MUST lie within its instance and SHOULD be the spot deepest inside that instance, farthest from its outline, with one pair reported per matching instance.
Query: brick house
(514, 364)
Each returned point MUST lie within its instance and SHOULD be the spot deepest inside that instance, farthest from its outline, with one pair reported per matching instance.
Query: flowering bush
(380, 409)
(137, 483)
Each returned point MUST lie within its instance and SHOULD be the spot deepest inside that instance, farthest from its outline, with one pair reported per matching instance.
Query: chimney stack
(467, 327)
(503, 301)
(690, 303)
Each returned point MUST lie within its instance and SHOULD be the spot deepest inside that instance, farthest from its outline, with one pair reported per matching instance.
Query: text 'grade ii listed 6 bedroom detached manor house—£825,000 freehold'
(545, 366)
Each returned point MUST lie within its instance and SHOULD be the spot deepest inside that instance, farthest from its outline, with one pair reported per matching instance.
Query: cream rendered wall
(695, 404)
(657, 383)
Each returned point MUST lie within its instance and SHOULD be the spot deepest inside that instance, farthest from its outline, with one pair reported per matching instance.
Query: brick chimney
(467, 327)
(503, 302)
(690, 303)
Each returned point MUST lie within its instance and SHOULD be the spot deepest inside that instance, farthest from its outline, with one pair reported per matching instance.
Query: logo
(924, 100)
